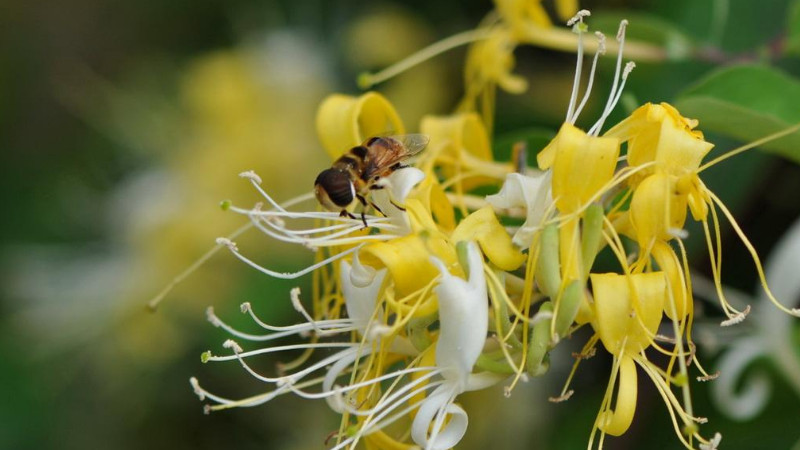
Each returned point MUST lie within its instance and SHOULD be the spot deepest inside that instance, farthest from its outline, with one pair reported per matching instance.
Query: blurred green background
(122, 125)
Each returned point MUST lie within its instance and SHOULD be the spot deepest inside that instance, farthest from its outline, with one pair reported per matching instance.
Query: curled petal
(344, 121)
(483, 226)
(534, 193)
(618, 421)
(431, 415)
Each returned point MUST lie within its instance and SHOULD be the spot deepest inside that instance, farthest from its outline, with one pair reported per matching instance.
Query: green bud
(537, 362)
(568, 306)
(205, 356)
(548, 274)
(225, 205)
(591, 235)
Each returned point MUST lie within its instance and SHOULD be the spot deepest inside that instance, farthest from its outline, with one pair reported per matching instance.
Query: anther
(227, 243)
(628, 69)
(211, 317)
(713, 444)
(578, 17)
(562, 398)
(621, 32)
(251, 175)
(736, 319)
(709, 377)
(245, 307)
(679, 233)
(231, 344)
(601, 42)
(197, 389)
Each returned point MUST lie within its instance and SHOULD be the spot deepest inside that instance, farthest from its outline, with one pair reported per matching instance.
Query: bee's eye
(337, 185)
(373, 140)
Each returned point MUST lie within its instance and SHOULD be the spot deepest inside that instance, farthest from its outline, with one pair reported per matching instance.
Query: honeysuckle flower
(668, 149)
(437, 298)
(463, 326)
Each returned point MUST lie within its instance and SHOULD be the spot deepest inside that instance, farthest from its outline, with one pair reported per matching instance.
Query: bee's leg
(376, 187)
(396, 205)
(346, 213)
(364, 206)
(377, 209)
(398, 166)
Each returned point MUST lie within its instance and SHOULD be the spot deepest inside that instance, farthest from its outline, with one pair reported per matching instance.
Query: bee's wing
(390, 150)
(413, 143)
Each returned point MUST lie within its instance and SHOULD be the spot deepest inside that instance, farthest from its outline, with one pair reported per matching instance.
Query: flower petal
(344, 121)
(361, 298)
(532, 192)
(440, 401)
(397, 187)
(463, 318)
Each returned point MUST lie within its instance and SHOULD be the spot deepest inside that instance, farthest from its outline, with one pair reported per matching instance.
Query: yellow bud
(345, 121)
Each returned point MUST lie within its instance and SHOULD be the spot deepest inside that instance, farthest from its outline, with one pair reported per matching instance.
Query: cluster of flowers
(443, 295)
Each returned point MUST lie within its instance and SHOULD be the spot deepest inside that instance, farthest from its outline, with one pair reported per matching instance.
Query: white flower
(463, 324)
(531, 192)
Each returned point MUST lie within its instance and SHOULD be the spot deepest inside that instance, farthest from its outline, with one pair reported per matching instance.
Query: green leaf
(747, 103)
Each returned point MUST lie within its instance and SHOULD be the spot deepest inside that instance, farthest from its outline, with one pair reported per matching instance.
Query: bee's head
(334, 190)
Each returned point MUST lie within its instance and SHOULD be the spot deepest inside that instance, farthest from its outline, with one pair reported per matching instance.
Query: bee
(357, 172)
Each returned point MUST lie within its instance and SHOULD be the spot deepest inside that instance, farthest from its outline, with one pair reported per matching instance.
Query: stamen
(561, 398)
(601, 50)
(251, 175)
(710, 377)
(577, 21)
(578, 17)
(613, 94)
(713, 444)
(298, 306)
(737, 318)
(344, 323)
(283, 275)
